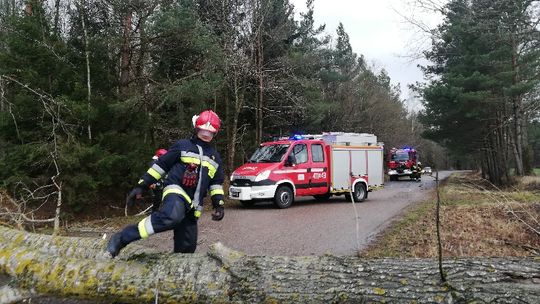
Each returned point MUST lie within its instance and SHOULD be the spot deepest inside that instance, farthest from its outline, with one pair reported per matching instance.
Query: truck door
(319, 170)
(298, 173)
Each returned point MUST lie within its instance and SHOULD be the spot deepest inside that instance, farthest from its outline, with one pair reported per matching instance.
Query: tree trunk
(69, 266)
(259, 62)
(528, 153)
(56, 16)
(125, 56)
(142, 80)
(82, 10)
(490, 159)
(2, 96)
(239, 92)
(484, 165)
(58, 208)
(517, 113)
(260, 99)
(28, 8)
(228, 123)
(502, 151)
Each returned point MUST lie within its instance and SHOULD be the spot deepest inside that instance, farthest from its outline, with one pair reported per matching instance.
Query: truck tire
(322, 197)
(393, 178)
(284, 197)
(360, 192)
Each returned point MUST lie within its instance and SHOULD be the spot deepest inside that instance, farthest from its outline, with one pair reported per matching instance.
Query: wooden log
(71, 266)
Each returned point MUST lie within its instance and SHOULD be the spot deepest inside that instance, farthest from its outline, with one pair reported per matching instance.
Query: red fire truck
(402, 162)
(310, 165)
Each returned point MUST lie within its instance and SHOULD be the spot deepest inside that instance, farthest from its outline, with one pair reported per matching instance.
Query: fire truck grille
(242, 182)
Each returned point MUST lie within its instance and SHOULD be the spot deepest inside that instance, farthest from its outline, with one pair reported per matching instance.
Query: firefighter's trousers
(175, 214)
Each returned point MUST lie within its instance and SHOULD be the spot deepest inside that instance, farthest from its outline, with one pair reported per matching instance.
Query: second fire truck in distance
(402, 162)
(321, 166)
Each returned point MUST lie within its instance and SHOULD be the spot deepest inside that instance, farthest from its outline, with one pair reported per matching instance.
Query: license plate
(235, 193)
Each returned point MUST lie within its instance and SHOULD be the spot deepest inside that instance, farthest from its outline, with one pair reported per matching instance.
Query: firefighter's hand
(133, 196)
(218, 213)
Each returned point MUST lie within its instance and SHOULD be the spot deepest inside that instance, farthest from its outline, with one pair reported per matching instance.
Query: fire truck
(323, 165)
(400, 162)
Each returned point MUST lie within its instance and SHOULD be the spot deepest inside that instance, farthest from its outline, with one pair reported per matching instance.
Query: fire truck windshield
(269, 154)
(400, 156)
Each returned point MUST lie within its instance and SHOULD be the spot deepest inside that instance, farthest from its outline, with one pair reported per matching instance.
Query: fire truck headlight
(263, 175)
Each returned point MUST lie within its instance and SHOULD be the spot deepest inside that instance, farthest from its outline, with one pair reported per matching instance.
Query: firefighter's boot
(115, 244)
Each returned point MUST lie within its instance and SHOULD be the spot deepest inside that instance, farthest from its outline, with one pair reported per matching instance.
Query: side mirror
(289, 162)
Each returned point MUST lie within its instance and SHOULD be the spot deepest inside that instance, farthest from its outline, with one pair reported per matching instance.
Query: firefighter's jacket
(172, 165)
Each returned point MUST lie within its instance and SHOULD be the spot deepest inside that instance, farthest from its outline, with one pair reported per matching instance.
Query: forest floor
(477, 219)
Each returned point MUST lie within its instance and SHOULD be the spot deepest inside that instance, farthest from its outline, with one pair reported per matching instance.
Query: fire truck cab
(310, 165)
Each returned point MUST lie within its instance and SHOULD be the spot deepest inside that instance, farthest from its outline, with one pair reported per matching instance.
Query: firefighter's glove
(133, 196)
(218, 214)
(190, 176)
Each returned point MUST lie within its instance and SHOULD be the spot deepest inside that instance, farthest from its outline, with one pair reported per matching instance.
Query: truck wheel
(360, 192)
(322, 197)
(284, 197)
(248, 203)
(393, 177)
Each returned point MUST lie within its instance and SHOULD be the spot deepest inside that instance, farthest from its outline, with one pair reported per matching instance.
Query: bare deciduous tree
(24, 194)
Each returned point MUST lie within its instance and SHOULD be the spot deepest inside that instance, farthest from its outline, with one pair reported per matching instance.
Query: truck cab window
(317, 154)
(401, 156)
(300, 153)
(269, 154)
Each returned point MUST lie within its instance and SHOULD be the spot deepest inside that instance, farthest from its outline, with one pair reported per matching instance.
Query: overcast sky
(377, 29)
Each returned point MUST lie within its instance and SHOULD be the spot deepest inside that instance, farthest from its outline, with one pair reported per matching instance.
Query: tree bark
(82, 13)
(239, 91)
(70, 266)
(260, 105)
(28, 8)
(2, 96)
(125, 54)
(517, 113)
(56, 16)
(259, 63)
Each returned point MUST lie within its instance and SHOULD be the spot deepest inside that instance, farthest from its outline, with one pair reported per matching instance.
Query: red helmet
(208, 120)
(159, 152)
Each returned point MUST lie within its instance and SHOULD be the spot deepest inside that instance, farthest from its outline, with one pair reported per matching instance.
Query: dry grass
(530, 183)
(476, 220)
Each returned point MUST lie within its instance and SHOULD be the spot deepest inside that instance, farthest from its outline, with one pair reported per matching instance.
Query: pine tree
(478, 89)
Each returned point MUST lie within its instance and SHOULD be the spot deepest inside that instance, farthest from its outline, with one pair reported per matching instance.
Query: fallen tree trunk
(70, 266)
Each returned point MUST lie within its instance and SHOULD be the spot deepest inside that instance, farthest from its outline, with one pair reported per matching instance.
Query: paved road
(308, 227)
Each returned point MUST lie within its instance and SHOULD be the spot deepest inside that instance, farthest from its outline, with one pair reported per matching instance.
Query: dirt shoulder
(477, 219)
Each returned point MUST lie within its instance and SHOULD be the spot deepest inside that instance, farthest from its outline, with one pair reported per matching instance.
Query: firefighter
(156, 190)
(191, 167)
(417, 171)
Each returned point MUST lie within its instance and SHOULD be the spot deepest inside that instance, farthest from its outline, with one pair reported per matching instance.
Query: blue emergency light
(296, 137)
